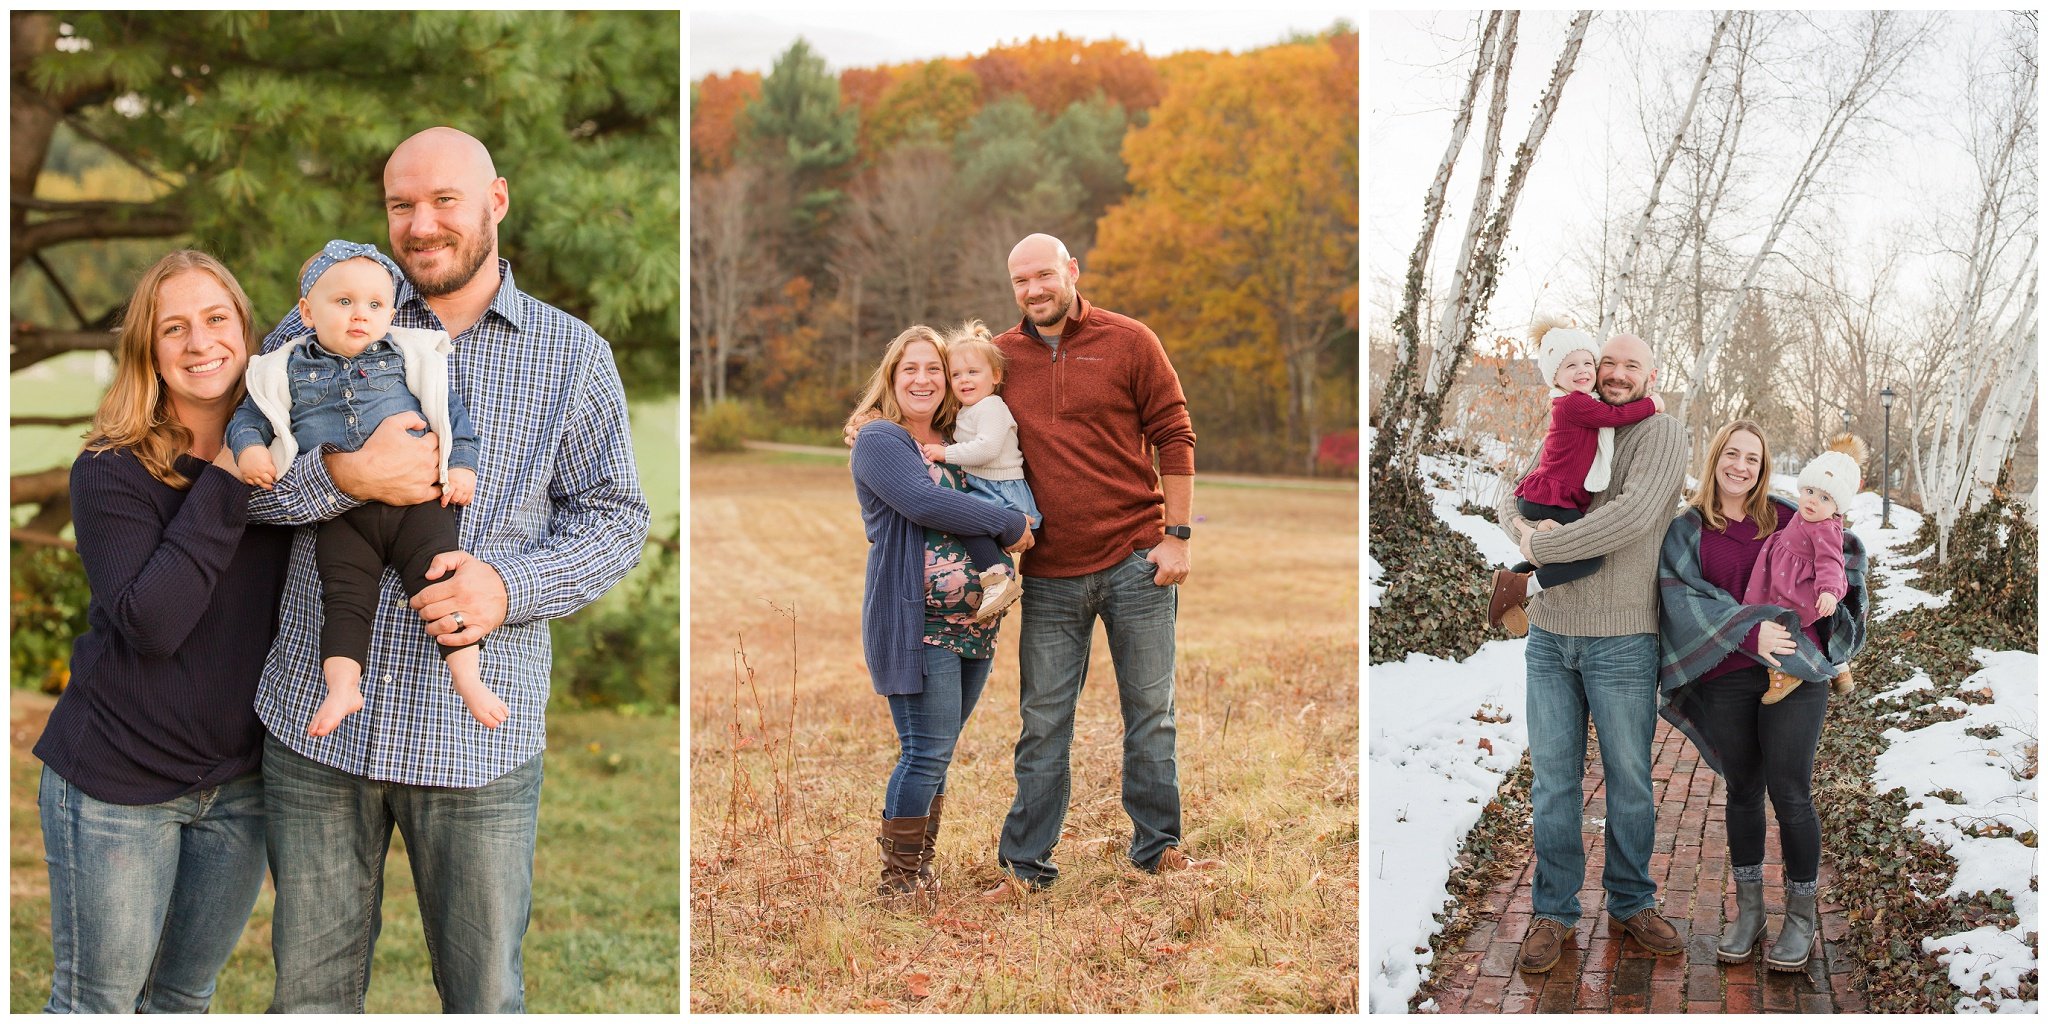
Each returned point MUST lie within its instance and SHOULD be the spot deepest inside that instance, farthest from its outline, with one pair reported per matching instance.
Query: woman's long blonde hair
(880, 396)
(135, 413)
(1707, 496)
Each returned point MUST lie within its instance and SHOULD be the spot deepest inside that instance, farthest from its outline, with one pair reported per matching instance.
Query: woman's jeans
(928, 726)
(147, 902)
(1614, 679)
(1766, 749)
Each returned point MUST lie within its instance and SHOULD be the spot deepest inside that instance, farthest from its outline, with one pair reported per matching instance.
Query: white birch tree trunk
(1438, 374)
(1997, 425)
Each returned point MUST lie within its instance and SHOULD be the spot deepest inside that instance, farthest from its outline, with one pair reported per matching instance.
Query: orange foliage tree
(1239, 245)
(1053, 73)
(715, 105)
(929, 103)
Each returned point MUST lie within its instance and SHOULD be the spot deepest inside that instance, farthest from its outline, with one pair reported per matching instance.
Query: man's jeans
(928, 727)
(472, 864)
(1615, 678)
(1059, 622)
(147, 902)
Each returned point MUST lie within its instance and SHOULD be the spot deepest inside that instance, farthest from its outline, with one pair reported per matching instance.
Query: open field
(791, 747)
(603, 934)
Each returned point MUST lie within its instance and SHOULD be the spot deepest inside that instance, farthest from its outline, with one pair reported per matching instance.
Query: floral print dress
(951, 591)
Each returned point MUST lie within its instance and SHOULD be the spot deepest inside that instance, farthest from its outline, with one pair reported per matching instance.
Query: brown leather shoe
(1009, 890)
(1652, 932)
(1174, 860)
(1782, 685)
(1510, 592)
(1543, 945)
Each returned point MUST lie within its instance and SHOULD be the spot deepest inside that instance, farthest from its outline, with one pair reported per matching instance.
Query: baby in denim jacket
(334, 387)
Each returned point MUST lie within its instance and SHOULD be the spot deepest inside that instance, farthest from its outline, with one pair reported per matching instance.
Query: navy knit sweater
(897, 501)
(184, 605)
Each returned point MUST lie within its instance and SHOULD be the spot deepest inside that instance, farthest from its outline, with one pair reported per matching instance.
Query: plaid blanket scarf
(1700, 625)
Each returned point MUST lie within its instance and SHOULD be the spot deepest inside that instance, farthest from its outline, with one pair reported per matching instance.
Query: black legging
(1766, 748)
(1556, 572)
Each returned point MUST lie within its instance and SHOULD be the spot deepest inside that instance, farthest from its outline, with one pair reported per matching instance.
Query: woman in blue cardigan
(924, 650)
(152, 790)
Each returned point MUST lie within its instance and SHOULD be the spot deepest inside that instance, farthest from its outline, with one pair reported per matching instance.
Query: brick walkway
(1600, 971)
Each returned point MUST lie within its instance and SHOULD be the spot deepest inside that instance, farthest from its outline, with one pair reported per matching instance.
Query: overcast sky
(1905, 172)
(749, 41)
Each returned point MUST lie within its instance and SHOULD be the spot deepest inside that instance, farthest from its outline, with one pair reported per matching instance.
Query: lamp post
(1885, 398)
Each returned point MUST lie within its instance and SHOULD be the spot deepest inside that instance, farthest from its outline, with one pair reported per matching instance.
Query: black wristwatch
(1183, 532)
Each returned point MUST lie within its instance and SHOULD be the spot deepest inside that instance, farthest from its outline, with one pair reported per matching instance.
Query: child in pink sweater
(1574, 462)
(1801, 565)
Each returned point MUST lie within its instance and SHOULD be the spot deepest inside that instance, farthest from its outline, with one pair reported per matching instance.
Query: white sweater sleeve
(991, 425)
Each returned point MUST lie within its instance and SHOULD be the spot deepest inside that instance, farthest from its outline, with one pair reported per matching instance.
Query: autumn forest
(1213, 196)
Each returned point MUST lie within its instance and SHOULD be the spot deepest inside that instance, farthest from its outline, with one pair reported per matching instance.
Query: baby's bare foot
(483, 705)
(340, 703)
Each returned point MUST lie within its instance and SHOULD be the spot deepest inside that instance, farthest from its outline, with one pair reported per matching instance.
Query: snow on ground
(1430, 775)
(1985, 774)
(1887, 548)
(1431, 778)
(1433, 770)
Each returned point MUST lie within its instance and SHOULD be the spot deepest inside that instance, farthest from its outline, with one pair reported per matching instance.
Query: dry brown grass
(790, 750)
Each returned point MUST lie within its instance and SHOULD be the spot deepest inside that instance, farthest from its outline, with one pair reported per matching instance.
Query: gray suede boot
(1738, 943)
(1794, 945)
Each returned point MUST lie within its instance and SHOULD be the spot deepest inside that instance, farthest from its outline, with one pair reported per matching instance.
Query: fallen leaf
(920, 986)
(1486, 745)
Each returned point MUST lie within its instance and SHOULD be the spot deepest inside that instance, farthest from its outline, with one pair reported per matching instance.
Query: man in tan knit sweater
(1593, 649)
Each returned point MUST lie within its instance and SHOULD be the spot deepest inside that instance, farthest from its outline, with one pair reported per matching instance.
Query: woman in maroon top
(1764, 748)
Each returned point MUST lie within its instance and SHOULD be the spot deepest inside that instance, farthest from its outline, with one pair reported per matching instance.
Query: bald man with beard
(1109, 453)
(558, 518)
(1593, 650)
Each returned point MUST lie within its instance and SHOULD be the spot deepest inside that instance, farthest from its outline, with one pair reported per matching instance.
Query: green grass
(603, 937)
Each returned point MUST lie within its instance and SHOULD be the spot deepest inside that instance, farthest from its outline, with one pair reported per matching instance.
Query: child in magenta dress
(1577, 456)
(1801, 565)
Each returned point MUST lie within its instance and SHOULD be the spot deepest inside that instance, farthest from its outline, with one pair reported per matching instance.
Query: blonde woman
(926, 652)
(152, 793)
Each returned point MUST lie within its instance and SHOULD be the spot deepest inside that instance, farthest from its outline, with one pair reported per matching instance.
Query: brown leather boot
(1543, 945)
(1843, 682)
(902, 842)
(1782, 685)
(926, 877)
(1510, 593)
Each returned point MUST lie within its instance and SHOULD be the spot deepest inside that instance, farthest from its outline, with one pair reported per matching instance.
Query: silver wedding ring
(457, 616)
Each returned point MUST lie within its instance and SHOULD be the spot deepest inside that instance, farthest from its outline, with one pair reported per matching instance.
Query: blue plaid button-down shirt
(558, 513)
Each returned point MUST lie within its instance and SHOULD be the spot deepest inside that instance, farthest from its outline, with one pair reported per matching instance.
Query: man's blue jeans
(472, 865)
(147, 902)
(1059, 623)
(1615, 679)
(928, 726)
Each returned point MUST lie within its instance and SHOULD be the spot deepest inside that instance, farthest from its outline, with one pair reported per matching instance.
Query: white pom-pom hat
(1835, 475)
(1556, 338)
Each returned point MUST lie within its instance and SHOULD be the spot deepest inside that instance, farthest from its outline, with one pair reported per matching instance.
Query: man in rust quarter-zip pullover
(1095, 397)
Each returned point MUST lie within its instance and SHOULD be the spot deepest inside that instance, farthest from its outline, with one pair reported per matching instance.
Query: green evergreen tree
(260, 135)
(797, 127)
